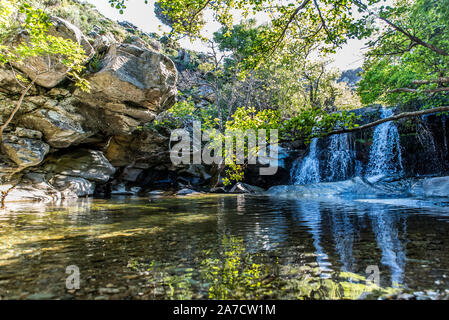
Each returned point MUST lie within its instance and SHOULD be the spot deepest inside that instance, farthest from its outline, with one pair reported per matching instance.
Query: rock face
(136, 76)
(65, 143)
(36, 67)
(60, 124)
(432, 187)
(67, 175)
(73, 187)
(83, 163)
(25, 152)
(31, 187)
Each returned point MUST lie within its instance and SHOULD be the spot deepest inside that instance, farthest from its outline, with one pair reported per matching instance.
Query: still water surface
(189, 247)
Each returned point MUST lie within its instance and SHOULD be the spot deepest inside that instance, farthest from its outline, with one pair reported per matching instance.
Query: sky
(142, 15)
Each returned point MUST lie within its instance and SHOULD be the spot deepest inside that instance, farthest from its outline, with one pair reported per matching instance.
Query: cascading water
(339, 164)
(385, 153)
(308, 170)
(435, 155)
(443, 124)
(340, 158)
(385, 157)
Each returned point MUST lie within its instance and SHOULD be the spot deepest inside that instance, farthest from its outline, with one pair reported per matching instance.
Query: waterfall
(385, 154)
(443, 121)
(340, 158)
(308, 170)
(434, 156)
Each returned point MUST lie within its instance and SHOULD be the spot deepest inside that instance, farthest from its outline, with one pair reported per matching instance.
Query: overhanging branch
(392, 118)
(410, 90)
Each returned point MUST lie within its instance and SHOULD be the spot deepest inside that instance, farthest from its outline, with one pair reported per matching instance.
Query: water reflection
(335, 229)
(388, 227)
(308, 214)
(344, 233)
(407, 243)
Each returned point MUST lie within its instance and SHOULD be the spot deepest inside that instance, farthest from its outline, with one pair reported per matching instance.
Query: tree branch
(392, 118)
(13, 113)
(403, 31)
(323, 22)
(197, 13)
(284, 30)
(414, 38)
(410, 90)
(438, 80)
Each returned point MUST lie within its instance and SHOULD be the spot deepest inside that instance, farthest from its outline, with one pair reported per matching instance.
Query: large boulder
(142, 148)
(49, 72)
(9, 83)
(432, 187)
(61, 124)
(87, 164)
(72, 187)
(24, 151)
(134, 75)
(31, 187)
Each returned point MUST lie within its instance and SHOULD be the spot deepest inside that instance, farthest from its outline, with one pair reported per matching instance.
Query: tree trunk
(13, 113)
(411, 114)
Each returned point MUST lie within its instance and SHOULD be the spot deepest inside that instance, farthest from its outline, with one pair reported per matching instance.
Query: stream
(303, 248)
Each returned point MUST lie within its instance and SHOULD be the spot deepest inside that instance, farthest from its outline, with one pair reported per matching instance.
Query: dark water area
(225, 246)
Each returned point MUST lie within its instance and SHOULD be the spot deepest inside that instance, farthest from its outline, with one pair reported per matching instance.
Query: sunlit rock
(73, 187)
(32, 187)
(240, 187)
(135, 75)
(186, 191)
(49, 71)
(60, 124)
(25, 152)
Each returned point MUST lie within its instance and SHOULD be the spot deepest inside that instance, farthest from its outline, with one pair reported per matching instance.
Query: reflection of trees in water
(266, 224)
(261, 225)
(309, 215)
(386, 226)
(344, 233)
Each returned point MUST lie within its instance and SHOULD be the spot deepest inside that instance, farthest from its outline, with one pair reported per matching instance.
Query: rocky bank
(64, 142)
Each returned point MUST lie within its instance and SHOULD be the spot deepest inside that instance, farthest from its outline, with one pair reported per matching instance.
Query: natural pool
(225, 246)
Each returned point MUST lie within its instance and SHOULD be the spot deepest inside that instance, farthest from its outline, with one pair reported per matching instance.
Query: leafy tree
(294, 81)
(169, 18)
(312, 21)
(410, 49)
(408, 58)
(20, 16)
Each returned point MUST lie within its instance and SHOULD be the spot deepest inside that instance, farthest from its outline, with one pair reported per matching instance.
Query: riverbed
(226, 247)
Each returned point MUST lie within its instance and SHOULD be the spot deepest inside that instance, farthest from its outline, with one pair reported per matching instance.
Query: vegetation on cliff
(24, 35)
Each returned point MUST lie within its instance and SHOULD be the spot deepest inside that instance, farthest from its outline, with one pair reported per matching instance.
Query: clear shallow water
(169, 248)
